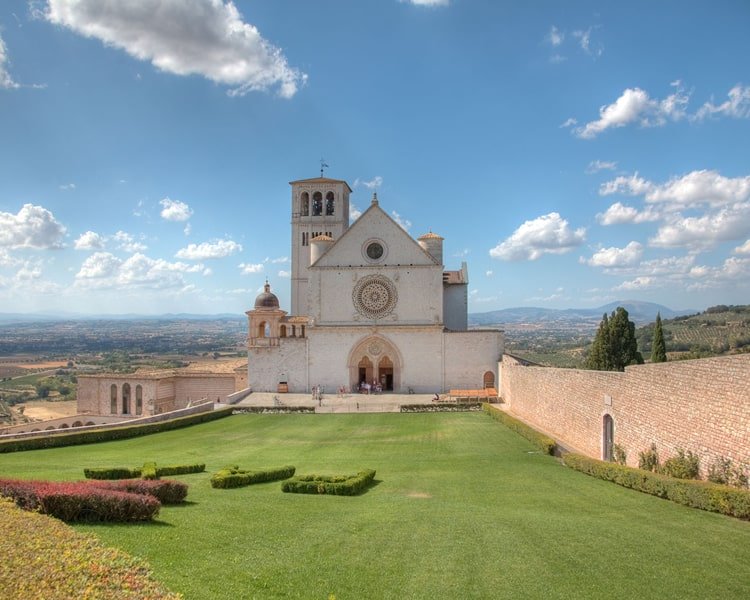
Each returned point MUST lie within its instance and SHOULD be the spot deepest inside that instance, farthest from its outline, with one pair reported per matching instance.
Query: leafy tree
(615, 345)
(658, 348)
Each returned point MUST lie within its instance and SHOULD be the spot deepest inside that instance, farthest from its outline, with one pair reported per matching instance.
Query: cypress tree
(598, 355)
(658, 348)
(615, 345)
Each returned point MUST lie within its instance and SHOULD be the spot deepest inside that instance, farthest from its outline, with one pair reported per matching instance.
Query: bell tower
(320, 206)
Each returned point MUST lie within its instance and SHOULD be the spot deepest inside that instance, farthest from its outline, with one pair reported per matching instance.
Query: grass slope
(464, 508)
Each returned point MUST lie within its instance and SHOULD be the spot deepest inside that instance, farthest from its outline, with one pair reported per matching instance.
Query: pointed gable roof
(374, 223)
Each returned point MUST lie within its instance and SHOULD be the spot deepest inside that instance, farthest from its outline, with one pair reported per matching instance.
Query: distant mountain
(70, 316)
(640, 313)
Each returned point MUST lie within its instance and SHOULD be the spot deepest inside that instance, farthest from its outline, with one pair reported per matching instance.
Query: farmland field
(462, 508)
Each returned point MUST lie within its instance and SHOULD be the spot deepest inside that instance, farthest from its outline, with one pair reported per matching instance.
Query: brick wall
(699, 405)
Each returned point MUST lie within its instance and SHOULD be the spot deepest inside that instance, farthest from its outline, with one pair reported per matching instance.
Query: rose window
(374, 296)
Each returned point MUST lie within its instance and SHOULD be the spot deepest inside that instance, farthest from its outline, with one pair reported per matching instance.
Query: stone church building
(369, 305)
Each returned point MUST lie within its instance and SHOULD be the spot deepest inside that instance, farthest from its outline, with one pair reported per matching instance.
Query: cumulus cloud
(635, 106)
(127, 242)
(201, 37)
(744, 249)
(6, 260)
(404, 223)
(548, 234)
(637, 284)
(737, 106)
(33, 227)
(731, 223)
(616, 257)
(374, 183)
(174, 210)
(555, 36)
(217, 249)
(354, 212)
(285, 274)
(103, 270)
(89, 241)
(67, 186)
(6, 81)
(249, 268)
(619, 213)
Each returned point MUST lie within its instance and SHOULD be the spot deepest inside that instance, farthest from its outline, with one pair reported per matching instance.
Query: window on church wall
(138, 400)
(330, 204)
(317, 204)
(113, 399)
(126, 398)
(305, 204)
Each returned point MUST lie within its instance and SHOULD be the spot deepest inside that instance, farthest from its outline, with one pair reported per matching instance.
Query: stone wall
(699, 405)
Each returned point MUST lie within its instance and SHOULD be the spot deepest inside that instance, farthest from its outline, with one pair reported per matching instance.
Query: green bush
(112, 473)
(280, 410)
(682, 466)
(106, 435)
(149, 470)
(448, 407)
(180, 469)
(724, 471)
(337, 485)
(648, 460)
(233, 476)
(546, 444)
(696, 494)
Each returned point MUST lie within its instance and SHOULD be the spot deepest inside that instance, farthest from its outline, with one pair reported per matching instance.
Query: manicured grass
(463, 508)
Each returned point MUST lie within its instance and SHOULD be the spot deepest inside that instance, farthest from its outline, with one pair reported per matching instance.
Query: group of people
(366, 387)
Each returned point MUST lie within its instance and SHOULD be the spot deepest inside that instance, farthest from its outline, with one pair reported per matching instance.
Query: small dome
(322, 238)
(267, 299)
(430, 236)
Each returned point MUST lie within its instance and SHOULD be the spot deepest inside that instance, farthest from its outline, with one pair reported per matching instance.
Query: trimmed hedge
(149, 470)
(264, 410)
(696, 494)
(447, 407)
(233, 476)
(541, 441)
(107, 435)
(337, 485)
(80, 501)
(136, 472)
(166, 491)
(45, 558)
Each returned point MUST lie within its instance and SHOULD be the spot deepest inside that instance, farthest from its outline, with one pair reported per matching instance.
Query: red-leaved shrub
(167, 491)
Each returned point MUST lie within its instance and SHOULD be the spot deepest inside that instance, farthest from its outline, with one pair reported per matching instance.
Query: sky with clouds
(572, 153)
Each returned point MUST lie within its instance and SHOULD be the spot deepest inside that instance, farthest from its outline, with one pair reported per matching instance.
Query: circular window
(374, 296)
(375, 250)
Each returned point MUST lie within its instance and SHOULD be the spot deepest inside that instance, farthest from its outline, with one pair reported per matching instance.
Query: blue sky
(574, 153)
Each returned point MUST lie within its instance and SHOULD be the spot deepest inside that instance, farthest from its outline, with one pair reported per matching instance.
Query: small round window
(374, 251)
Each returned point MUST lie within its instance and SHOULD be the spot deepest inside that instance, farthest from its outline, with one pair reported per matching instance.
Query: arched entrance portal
(375, 360)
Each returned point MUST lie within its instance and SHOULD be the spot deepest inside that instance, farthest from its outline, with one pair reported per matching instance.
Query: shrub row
(696, 494)
(79, 501)
(166, 491)
(233, 476)
(272, 409)
(136, 472)
(449, 407)
(45, 558)
(541, 441)
(338, 485)
(107, 435)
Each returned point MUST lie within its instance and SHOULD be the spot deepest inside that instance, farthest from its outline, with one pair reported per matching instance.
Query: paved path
(333, 403)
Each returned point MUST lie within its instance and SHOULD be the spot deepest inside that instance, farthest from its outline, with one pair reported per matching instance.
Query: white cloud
(637, 284)
(104, 270)
(33, 227)
(217, 249)
(619, 213)
(616, 257)
(488, 273)
(548, 234)
(738, 105)
(6, 81)
(404, 223)
(601, 165)
(734, 271)
(6, 260)
(67, 186)
(127, 243)
(635, 106)
(89, 241)
(743, 249)
(354, 212)
(28, 272)
(188, 229)
(672, 267)
(249, 268)
(427, 2)
(279, 260)
(730, 223)
(285, 274)
(207, 38)
(569, 123)
(373, 184)
(555, 36)
(174, 210)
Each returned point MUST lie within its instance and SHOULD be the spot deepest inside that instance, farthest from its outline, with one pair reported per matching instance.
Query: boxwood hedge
(338, 485)
(136, 472)
(233, 477)
(543, 442)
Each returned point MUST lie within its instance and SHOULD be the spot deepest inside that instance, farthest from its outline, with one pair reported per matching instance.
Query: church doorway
(365, 371)
(385, 374)
(488, 380)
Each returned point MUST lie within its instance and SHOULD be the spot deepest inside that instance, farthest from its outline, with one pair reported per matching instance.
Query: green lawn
(463, 508)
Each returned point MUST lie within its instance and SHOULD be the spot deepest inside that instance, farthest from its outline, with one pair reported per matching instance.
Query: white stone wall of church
(455, 307)
(266, 367)
(469, 354)
(419, 295)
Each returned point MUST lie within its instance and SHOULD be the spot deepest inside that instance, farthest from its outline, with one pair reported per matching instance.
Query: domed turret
(267, 299)
(432, 243)
(318, 246)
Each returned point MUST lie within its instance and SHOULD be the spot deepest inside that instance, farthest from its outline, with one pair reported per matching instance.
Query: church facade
(370, 306)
